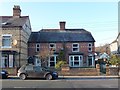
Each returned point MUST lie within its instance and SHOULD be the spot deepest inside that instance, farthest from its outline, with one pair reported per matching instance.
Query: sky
(99, 18)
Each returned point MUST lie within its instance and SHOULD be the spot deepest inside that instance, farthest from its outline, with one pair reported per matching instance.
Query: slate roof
(60, 36)
(10, 21)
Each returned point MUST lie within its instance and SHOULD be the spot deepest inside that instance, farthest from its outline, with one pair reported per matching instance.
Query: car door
(29, 71)
(39, 73)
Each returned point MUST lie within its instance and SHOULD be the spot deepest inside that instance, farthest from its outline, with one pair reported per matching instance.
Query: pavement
(90, 77)
(81, 77)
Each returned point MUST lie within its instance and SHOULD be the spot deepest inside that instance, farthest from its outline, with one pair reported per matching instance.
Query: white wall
(113, 47)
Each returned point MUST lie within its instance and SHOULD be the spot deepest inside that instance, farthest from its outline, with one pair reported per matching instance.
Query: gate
(102, 66)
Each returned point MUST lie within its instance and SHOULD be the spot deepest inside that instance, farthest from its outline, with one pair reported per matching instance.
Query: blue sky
(100, 18)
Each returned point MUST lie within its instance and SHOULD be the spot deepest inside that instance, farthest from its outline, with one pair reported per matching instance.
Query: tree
(61, 59)
(44, 56)
(103, 48)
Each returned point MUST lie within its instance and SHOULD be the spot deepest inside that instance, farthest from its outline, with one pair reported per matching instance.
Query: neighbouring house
(118, 40)
(78, 45)
(114, 47)
(14, 34)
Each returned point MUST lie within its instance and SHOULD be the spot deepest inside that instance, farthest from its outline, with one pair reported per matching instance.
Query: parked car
(31, 71)
(3, 74)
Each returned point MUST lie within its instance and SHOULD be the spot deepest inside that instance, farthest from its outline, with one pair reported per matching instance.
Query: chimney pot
(16, 11)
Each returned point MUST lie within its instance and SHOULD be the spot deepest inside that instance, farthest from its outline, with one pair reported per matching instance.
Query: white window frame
(54, 46)
(75, 47)
(89, 47)
(55, 60)
(73, 61)
(10, 35)
(37, 47)
(92, 60)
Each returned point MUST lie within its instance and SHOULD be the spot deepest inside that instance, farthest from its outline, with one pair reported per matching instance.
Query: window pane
(6, 41)
(90, 60)
(71, 58)
(76, 58)
(89, 44)
(76, 63)
(29, 67)
(37, 68)
(51, 59)
(71, 63)
(38, 49)
(52, 63)
(38, 45)
(75, 49)
(75, 45)
(52, 45)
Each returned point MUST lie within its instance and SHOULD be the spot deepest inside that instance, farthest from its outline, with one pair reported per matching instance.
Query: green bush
(114, 60)
(59, 64)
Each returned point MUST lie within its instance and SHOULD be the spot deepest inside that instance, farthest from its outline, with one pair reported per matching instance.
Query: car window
(37, 68)
(29, 68)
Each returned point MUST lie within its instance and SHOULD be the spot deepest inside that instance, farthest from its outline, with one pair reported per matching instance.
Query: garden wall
(113, 70)
(11, 71)
(67, 71)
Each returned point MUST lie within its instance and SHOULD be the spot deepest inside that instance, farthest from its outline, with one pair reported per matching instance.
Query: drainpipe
(19, 44)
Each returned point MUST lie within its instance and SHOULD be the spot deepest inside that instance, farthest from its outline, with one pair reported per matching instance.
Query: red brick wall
(45, 46)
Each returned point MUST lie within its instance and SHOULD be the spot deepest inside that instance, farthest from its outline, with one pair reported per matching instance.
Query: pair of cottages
(18, 42)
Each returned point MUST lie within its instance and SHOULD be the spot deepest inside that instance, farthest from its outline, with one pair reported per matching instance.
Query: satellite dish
(15, 42)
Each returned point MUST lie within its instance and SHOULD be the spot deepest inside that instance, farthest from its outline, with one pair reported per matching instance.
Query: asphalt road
(60, 83)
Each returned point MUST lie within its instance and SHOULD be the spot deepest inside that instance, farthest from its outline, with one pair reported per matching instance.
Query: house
(14, 34)
(118, 40)
(114, 47)
(78, 45)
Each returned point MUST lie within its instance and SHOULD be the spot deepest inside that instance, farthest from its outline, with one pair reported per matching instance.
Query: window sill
(6, 47)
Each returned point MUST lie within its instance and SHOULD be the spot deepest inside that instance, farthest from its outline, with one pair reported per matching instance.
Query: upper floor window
(6, 41)
(90, 47)
(37, 47)
(75, 47)
(52, 46)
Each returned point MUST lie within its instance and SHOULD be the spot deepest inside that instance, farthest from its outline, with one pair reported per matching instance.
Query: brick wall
(59, 46)
(79, 72)
(113, 70)
(11, 71)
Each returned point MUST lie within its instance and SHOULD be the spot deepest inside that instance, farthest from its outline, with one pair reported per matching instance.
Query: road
(60, 83)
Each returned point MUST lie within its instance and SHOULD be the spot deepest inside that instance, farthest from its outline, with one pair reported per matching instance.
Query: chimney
(62, 25)
(16, 11)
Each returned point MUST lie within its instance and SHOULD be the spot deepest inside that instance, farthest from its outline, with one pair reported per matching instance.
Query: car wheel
(22, 76)
(49, 77)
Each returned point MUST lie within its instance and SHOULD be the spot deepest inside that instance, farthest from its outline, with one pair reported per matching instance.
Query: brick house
(118, 40)
(14, 34)
(79, 45)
